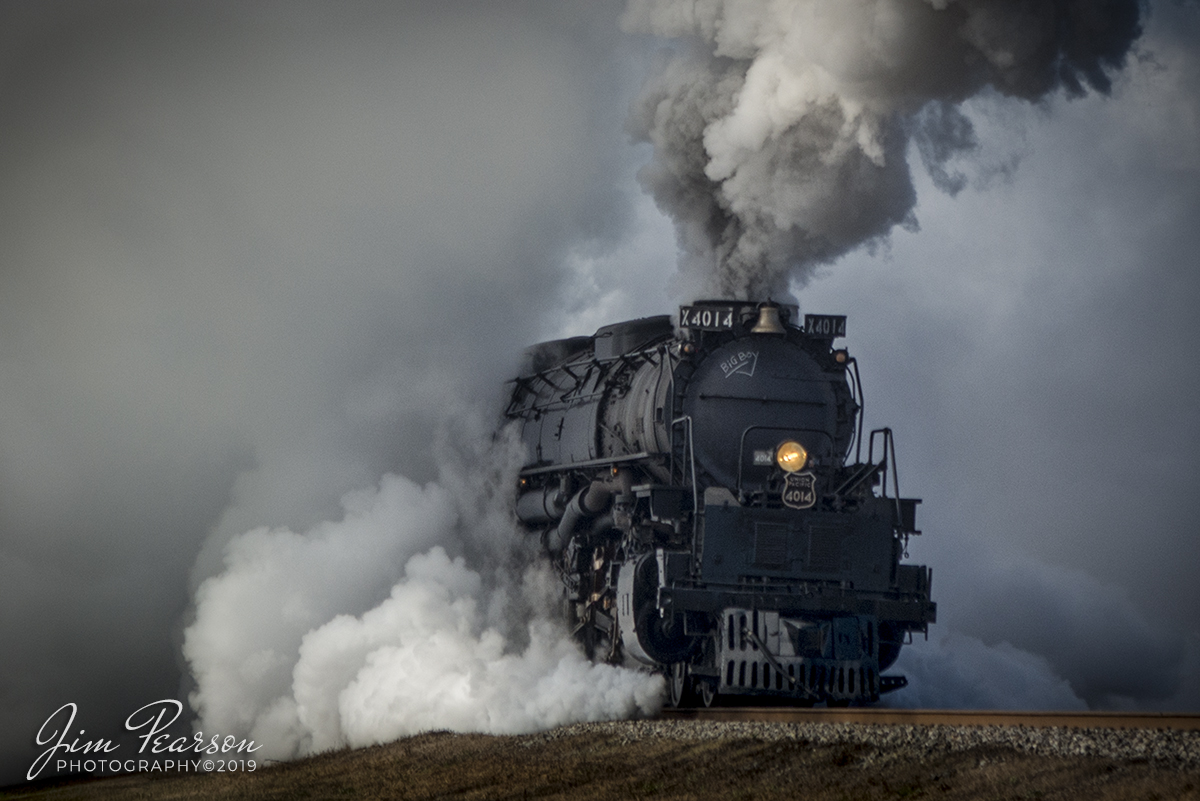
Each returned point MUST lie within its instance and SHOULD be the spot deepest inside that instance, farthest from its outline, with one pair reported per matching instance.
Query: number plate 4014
(707, 318)
(825, 326)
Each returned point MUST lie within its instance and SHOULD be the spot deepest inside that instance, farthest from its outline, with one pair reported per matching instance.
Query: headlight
(791, 456)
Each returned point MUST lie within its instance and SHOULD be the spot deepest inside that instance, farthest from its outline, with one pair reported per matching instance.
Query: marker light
(791, 456)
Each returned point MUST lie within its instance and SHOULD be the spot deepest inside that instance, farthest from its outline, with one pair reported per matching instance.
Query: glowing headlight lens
(791, 456)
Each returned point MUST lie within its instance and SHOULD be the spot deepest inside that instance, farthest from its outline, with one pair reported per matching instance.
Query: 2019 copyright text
(217, 754)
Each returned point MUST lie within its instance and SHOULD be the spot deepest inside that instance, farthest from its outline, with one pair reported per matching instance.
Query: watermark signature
(92, 756)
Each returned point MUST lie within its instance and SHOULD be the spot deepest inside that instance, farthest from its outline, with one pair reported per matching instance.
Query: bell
(768, 321)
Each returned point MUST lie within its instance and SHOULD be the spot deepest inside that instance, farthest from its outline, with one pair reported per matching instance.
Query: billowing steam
(781, 127)
(292, 647)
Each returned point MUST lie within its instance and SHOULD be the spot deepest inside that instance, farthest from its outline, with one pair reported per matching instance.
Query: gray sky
(251, 255)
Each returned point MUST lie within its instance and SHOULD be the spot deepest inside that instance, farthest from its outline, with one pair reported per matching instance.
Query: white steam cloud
(781, 127)
(298, 645)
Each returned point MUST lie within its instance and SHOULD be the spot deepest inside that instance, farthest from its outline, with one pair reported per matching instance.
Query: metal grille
(770, 545)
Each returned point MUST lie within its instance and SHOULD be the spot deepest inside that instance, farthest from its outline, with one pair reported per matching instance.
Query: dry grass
(599, 766)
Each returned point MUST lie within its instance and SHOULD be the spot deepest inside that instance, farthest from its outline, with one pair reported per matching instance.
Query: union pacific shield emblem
(800, 490)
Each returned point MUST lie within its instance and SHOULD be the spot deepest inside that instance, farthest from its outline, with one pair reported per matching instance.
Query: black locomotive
(695, 486)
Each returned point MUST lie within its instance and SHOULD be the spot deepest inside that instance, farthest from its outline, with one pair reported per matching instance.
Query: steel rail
(946, 717)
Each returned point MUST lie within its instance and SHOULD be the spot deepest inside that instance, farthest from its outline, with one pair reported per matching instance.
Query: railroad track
(952, 717)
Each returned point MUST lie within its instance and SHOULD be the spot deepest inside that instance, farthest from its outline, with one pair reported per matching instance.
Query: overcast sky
(252, 255)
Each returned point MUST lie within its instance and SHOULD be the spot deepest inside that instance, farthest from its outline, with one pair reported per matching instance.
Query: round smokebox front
(750, 395)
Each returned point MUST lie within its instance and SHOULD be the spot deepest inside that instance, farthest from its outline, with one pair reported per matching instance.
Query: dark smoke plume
(780, 129)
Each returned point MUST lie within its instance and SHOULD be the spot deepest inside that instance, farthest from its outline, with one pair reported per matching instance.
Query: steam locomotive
(693, 484)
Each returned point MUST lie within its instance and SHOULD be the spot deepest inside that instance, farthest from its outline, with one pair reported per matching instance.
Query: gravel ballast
(1160, 745)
